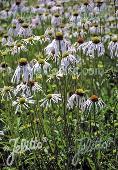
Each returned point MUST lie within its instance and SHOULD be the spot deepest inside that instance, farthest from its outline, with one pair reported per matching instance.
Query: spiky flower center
(4, 65)
(62, 26)
(59, 36)
(56, 15)
(80, 40)
(18, 2)
(58, 5)
(5, 36)
(25, 25)
(94, 98)
(49, 33)
(86, 3)
(95, 25)
(40, 14)
(41, 61)
(75, 14)
(14, 26)
(7, 9)
(80, 92)
(18, 44)
(23, 62)
(42, 37)
(22, 100)
(7, 88)
(31, 83)
(96, 40)
(21, 20)
(46, 14)
(49, 96)
(99, 2)
(48, 7)
(37, 6)
(114, 39)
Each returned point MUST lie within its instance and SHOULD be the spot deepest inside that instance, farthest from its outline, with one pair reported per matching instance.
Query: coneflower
(22, 103)
(75, 18)
(68, 60)
(28, 88)
(59, 45)
(93, 48)
(93, 101)
(77, 99)
(23, 70)
(7, 93)
(40, 66)
(113, 47)
(50, 99)
(7, 40)
(17, 48)
(56, 20)
(25, 30)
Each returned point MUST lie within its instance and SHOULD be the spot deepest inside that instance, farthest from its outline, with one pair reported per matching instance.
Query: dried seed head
(31, 83)
(80, 40)
(94, 98)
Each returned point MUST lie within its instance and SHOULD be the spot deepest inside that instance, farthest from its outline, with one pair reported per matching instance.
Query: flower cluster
(58, 67)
